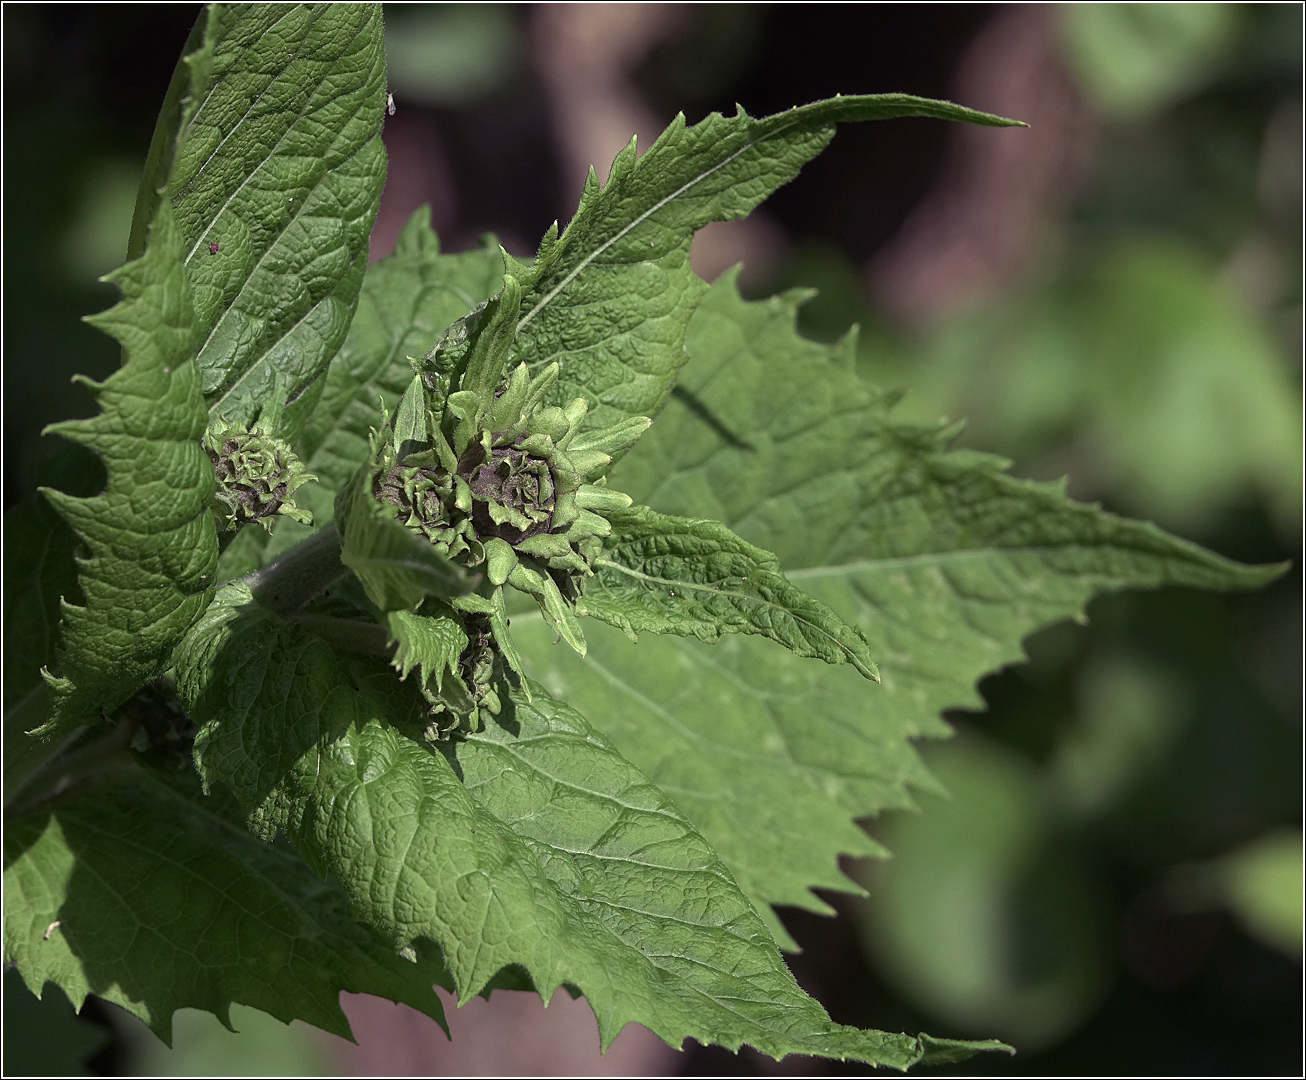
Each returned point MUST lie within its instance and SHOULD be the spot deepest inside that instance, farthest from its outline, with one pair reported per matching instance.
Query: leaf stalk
(306, 570)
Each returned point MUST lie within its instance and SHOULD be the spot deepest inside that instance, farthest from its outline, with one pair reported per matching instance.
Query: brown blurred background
(1113, 293)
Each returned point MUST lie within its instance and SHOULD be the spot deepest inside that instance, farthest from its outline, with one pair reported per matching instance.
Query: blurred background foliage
(1114, 881)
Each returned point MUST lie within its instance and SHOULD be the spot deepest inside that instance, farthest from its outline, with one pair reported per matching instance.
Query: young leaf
(151, 541)
(676, 575)
(533, 843)
(270, 144)
(610, 298)
(433, 641)
(397, 566)
(153, 897)
(943, 561)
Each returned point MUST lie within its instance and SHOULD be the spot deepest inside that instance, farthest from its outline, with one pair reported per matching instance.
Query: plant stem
(350, 635)
(286, 585)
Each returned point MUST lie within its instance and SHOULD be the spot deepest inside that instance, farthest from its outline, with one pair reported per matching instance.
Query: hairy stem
(350, 635)
(286, 585)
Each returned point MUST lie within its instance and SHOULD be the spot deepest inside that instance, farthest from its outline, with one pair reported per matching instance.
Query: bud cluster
(518, 493)
(503, 484)
(257, 475)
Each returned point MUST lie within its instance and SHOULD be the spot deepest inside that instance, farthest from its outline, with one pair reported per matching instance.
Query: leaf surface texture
(270, 147)
(943, 561)
(150, 538)
(695, 577)
(163, 900)
(532, 843)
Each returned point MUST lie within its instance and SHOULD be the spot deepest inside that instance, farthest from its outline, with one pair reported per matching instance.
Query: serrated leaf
(269, 146)
(945, 563)
(610, 298)
(534, 843)
(673, 575)
(398, 567)
(151, 542)
(38, 570)
(432, 641)
(147, 894)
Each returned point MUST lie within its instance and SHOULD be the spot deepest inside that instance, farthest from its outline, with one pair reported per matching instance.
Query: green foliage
(152, 548)
(610, 298)
(533, 843)
(163, 900)
(269, 145)
(618, 818)
(686, 576)
(942, 561)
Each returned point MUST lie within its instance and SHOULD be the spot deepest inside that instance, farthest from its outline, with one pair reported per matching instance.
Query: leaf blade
(151, 540)
(690, 576)
(274, 154)
(164, 901)
(513, 847)
(879, 521)
(631, 239)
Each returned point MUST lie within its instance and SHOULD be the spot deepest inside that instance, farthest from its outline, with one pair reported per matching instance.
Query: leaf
(610, 298)
(943, 561)
(151, 896)
(397, 566)
(533, 843)
(435, 642)
(39, 569)
(684, 576)
(151, 541)
(269, 145)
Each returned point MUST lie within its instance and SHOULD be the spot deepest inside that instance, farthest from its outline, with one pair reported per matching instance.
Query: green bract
(466, 804)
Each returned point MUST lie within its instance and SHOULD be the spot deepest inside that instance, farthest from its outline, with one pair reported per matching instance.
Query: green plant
(467, 804)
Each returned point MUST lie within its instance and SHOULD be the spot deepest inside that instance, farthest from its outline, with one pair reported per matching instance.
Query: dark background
(1167, 983)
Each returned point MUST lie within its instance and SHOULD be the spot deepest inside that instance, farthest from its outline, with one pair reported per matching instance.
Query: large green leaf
(943, 560)
(675, 575)
(151, 542)
(269, 146)
(144, 892)
(610, 298)
(533, 843)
